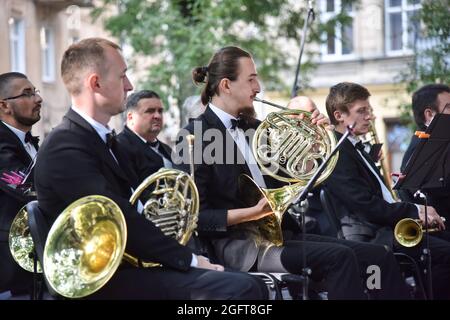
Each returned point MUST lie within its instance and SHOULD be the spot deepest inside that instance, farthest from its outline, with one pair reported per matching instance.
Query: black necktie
(239, 123)
(111, 139)
(360, 146)
(29, 138)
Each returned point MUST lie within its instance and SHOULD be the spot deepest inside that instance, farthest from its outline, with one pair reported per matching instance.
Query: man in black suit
(80, 158)
(139, 138)
(428, 101)
(20, 105)
(366, 208)
(227, 222)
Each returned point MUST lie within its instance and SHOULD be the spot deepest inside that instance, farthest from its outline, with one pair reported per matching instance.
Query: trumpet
(409, 232)
(374, 140)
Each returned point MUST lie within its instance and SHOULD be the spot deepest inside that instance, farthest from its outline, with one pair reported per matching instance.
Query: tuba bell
(85, 246)
(290, 150)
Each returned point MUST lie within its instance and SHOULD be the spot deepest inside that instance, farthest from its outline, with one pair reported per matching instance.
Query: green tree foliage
(183, 34)
(430, 63)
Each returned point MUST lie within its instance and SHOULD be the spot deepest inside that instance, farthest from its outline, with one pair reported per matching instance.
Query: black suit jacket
(236, 246)
(13, 157)
(143, 159)
(359, 202)
(74, 162)
(439, 198)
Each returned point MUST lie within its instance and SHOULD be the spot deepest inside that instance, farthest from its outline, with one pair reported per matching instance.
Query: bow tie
(154, 144)
(239, 123)
(29, 138)
(361, 147)
(111, 139)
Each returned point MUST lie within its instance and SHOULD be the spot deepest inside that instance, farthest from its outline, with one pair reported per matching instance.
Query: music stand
(429, 168)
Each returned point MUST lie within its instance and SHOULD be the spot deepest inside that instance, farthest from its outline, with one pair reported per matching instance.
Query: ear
(129, 116)
(224, 85)
(428, 114)
(338, 115)
(4, 107)
(93, 82)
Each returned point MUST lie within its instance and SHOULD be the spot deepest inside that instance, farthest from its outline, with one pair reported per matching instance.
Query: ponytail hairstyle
(223, 64)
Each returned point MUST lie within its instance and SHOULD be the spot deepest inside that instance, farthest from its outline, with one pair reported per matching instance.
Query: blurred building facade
(373, 51)
(35, 34)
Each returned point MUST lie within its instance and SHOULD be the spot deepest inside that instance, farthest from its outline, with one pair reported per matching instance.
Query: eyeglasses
(26, 94)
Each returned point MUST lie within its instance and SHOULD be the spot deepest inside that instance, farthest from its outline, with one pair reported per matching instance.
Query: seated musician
(20, 105)
(428, 101)
(366, 208)
(226, 223)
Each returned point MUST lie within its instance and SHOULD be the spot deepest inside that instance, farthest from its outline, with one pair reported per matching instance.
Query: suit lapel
(100, 146)
(368, 176)
(213, 121)
(23, 154)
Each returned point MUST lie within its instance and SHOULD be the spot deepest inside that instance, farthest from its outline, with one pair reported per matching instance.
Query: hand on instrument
(434, 220)
(306, 104)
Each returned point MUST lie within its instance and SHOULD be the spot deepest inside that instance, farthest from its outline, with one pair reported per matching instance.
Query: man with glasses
(20, 105)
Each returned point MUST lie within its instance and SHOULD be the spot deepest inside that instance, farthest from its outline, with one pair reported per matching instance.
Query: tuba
(290, 150)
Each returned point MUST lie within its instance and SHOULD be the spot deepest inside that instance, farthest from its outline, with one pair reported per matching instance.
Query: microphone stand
(426, 252)
(300, 206)
(310, 16)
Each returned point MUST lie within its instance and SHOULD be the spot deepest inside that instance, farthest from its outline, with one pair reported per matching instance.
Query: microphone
(311, 9)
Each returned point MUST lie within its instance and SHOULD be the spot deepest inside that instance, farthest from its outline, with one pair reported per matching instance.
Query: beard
(27, 121)
(248, 115)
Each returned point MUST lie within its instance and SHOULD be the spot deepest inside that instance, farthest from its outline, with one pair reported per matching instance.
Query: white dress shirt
(239, 137)
(31, 150)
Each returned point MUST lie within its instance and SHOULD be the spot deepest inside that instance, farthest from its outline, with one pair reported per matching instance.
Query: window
(47, 54)
(398, 138)
(402, 25)
(17, 44)
(338, 43)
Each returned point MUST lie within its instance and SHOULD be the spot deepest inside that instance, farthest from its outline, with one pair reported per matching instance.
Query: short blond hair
(87, 54)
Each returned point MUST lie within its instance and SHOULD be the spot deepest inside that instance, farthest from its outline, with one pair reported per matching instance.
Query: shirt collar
(19, 133)
(223, 116)
(101, 130)
(353, 140)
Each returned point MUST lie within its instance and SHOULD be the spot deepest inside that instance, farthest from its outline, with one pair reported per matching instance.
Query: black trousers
(440, 261)
(342, 263)
(12, 276)
(195, 284)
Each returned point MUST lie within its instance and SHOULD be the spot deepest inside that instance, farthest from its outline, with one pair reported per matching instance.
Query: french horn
(21, 244)
(289, 149)
(171, 202)
(85, 246)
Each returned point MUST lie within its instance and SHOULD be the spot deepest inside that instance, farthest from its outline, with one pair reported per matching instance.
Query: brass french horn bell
(289, 150)
(85, 246)
(21, 244)
(409, 232)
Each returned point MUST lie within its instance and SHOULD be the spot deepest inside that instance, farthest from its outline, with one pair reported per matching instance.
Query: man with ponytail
(222, 153)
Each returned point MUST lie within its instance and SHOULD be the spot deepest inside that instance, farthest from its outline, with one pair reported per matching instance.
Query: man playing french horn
(20, 105)
(229, 225)
(80, 158)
